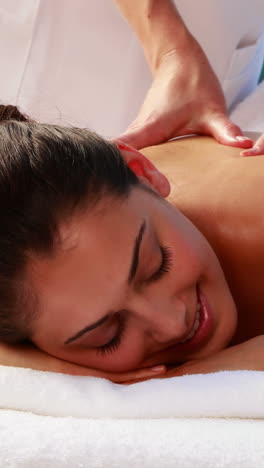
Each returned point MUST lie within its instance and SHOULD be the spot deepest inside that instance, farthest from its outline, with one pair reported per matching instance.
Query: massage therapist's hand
(28, 356)
(245, 356)
(185, 96)
(258, 148)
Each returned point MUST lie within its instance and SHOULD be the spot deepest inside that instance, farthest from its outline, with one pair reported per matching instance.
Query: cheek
(194, 257)
(189, 263)
(128, 358)
(189, 248)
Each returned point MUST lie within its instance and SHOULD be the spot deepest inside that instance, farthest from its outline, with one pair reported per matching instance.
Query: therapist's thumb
(226, 132)
(142, 135)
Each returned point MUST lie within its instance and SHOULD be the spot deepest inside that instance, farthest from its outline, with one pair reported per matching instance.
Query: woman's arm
(245, 356)
(28, 356)
(185, 96)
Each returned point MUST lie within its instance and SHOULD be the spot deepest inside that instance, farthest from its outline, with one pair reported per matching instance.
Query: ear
(144, 169)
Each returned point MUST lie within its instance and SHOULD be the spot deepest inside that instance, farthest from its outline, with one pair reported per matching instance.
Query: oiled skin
(222, 193)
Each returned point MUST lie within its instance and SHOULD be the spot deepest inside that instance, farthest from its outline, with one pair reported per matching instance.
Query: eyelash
(164, 268)
(165, 264)
(114, 343)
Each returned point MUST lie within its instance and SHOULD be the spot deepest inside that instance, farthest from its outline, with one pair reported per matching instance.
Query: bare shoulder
(211, 178)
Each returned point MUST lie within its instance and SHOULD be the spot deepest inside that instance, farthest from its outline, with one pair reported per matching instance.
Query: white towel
(212, 420)
(238, 394)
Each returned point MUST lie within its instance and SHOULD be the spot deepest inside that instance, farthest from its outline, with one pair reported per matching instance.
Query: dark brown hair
(46, 172)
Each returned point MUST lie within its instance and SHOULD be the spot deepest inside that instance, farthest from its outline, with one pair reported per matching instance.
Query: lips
(195, 324)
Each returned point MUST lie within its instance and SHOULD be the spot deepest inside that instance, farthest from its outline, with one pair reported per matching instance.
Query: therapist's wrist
(177, 45)
(182, 50)
(158, 26)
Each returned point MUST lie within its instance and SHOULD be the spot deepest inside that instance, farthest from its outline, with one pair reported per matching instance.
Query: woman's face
(122, 290)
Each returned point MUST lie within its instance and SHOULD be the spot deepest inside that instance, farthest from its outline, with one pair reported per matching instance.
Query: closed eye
(165, 266)
(114, 343)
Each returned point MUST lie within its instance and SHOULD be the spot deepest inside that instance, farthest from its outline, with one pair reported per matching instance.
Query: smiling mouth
(195, 326)
(201, 328)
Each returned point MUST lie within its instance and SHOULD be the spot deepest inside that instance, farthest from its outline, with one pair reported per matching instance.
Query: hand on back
(185, 97)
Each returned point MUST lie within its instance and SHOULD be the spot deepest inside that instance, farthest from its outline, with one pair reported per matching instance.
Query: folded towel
(235, 394)
(67, 421)
(30, 441)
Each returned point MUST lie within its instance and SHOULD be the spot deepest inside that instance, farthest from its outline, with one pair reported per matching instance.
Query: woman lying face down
(97, 268)
(127, 283)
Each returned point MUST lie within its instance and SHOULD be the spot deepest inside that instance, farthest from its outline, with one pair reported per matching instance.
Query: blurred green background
(261, 78)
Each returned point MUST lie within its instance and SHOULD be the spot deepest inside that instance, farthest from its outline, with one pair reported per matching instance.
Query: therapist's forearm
(158, 27)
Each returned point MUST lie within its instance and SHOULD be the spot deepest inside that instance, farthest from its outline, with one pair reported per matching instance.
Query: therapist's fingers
(226, 132)
(257, 149)
(218, 126)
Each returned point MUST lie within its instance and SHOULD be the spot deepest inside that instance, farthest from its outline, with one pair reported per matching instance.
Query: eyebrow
(135, 256)
(131, 276)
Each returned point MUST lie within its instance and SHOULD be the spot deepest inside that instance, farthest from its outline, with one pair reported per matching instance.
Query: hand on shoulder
(185, 98)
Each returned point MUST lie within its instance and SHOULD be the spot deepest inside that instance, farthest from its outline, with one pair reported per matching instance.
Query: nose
(165, 322)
